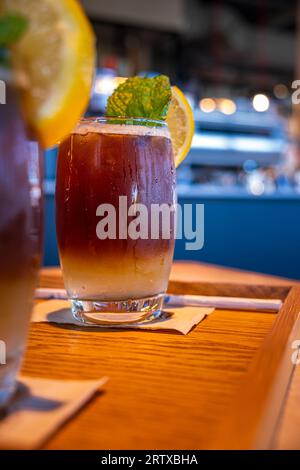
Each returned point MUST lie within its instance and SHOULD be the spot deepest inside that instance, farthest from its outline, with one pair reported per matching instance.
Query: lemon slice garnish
(55, 59)
(180, 120)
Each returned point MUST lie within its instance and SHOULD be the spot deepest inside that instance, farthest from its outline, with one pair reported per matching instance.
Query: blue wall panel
(259, 234)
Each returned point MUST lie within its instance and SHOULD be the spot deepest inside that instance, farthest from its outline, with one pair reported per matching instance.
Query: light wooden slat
(252, 417)
(192, 271)
(288, 429)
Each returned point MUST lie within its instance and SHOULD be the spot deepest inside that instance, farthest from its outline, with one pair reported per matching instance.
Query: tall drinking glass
(115, 210)
(20, 235)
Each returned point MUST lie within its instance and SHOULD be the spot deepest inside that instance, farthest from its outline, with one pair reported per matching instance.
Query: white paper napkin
(180, 319)
(41, 407)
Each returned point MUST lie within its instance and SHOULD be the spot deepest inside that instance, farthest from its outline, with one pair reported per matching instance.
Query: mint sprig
(140, 97)
(12, 26)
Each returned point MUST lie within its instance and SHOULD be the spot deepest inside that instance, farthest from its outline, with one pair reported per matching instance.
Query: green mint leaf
(141, 98)
(12, 26)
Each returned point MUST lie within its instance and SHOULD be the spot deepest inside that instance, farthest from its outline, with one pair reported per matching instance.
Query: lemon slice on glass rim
(54, 62)
(180, 120)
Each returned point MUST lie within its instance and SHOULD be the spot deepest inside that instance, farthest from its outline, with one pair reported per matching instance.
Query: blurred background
(236, 60)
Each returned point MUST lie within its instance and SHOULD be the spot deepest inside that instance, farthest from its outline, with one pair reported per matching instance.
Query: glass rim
(123, 120)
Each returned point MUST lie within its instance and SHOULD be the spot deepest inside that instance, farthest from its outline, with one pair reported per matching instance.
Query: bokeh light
(281, 91)
(227, 106)
(261, 103)
(207, 105)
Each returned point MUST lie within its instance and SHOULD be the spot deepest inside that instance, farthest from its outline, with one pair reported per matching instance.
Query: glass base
(8, 373)
(117, 312)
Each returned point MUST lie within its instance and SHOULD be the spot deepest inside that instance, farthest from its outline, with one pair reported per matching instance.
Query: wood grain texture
(252, 418)
(166, 391)
(289, 434)
(192, 271)
(288, 429)
(229, 290)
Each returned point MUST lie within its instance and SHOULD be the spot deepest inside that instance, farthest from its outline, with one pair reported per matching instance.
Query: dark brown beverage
(20, 236)
(99, 163)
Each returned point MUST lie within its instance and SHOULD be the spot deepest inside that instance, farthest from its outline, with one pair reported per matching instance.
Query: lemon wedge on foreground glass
(180, 120)
(54, 62)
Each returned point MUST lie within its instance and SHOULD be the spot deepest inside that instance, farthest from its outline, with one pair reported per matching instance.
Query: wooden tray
(230, 383)
(263, 404)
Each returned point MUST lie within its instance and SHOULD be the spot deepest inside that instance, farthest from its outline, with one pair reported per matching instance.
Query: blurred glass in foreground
(20, 235)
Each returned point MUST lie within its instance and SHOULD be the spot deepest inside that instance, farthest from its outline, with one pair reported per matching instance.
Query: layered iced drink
(113, 177)
(20, 237)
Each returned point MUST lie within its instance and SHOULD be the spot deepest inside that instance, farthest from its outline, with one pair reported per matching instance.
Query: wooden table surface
(165, 390)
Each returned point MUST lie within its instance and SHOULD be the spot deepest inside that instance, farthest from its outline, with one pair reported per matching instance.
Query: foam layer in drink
(98, 127)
